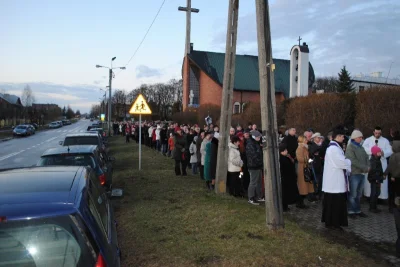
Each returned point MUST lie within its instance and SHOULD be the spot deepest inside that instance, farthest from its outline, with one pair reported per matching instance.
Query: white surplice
(384, 144)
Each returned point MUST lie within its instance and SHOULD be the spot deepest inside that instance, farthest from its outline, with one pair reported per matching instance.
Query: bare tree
(328, 84)
(27, 97)
(119, 102)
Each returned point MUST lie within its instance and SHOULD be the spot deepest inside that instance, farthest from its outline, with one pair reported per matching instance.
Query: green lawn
(165, 220)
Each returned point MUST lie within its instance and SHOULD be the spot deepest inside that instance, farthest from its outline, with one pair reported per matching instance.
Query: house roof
(246, 72)
(12, 99)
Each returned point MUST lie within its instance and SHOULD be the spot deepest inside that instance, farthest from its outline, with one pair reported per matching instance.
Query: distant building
(363, 82)
(10, 109)
(203, 71)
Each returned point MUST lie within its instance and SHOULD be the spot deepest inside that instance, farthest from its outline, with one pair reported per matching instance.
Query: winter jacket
(163, 136)
(302, 157)
(193, 153)
(359, 158)
(158, 130)
(213, 159)
(207, 161)
(179, 149)
(235, 163)
(203, 150)
(394, 161)
(198, 146)
(150, 131)
(254, 155)
(171, 143)
(375, 174)
(314, 151)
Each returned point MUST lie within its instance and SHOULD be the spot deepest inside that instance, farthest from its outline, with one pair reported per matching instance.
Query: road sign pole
(140, 141)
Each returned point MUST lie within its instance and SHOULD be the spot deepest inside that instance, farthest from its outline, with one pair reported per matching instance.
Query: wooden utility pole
(227, 97)
(272, 177)
(188, 9)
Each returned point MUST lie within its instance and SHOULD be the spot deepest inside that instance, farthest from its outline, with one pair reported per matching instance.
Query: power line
(144, 37)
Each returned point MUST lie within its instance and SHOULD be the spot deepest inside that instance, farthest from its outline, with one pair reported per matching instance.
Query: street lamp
(110, 74)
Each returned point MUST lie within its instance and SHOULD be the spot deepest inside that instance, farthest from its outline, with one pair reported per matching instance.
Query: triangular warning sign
(140, 106)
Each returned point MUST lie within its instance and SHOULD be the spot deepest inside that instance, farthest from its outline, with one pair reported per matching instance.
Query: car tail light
(100, 261)
(102, 179)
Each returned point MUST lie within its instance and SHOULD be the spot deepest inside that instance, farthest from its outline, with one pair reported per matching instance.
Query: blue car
(24, 130)
(56, 216)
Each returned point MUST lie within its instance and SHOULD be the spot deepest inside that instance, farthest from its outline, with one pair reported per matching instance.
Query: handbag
(308, 178)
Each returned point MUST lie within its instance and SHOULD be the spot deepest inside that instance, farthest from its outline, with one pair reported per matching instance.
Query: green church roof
(246, 72)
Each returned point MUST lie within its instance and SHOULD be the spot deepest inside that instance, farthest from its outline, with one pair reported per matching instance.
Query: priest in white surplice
(387, 151)
(335, 183)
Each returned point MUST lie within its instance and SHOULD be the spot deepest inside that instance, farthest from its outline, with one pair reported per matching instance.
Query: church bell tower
(299, 70)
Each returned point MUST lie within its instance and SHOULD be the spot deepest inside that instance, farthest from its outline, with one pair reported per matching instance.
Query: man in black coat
(291, 143)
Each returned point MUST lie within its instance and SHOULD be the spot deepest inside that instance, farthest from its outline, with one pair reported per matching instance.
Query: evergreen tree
(344, 84)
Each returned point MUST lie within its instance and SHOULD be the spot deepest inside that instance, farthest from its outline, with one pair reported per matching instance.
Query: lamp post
(110, 73)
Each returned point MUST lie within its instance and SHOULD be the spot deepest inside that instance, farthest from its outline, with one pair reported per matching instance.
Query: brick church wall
(211, 91)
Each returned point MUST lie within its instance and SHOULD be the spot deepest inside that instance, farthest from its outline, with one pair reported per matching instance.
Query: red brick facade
(211, 91)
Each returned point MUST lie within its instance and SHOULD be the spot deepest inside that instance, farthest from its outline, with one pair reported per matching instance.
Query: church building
(203, 71)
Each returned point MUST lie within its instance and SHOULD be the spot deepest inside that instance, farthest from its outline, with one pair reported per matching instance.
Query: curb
(5, 139)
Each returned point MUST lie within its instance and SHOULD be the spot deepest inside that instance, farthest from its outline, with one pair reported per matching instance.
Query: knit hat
(355, 134)
(239, 134)
(375, 150)
(178, 129)
(255, 133)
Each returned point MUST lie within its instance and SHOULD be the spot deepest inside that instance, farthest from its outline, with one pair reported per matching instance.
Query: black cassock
(290, 191)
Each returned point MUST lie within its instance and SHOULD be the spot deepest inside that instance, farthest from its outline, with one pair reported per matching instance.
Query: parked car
(94, 125)
(61, 216)
(55, 124)
(23, 130)
(101, 131)
(84, 139)
(35, 125)
(81, 155)
(66, 122)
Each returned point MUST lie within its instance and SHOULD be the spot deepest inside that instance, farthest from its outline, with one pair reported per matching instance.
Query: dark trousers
(201, 169)
(375, 192)
(180, 165)
(127, 137)
(234, 184)
(394, 190)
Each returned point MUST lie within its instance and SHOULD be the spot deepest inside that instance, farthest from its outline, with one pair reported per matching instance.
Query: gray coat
(359, 158)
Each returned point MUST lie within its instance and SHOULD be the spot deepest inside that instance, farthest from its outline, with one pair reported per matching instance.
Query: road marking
(9, 156)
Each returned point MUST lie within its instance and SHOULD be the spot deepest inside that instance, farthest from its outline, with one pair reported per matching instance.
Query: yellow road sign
(140, 106)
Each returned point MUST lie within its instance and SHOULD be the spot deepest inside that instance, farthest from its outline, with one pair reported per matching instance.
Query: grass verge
(165, 220)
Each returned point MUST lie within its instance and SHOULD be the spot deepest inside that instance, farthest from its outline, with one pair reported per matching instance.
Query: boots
(300, 203)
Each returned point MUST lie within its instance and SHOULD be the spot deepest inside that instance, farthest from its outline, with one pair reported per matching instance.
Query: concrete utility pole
(272, 177)
(188, 9)
(227, 97)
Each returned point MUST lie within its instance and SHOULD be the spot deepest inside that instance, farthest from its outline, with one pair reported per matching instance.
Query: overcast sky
(58, 43)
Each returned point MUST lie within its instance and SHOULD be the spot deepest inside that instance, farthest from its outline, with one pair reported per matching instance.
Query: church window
(194, 85)
(236, 108)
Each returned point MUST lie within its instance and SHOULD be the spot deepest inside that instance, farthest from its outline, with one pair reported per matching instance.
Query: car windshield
(21, 127)
(54, 241)
(81, 140)
(67, 160)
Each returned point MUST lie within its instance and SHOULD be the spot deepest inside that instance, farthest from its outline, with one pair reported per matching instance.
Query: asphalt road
(26, 151)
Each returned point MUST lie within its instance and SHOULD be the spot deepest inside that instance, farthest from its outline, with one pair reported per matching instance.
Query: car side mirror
(61, 143)
(111, 158)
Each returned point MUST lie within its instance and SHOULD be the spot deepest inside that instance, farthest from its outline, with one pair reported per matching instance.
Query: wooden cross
(300, 40)
(188, 9)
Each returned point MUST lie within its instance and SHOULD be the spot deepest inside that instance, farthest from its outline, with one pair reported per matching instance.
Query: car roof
(81, 134)
(83, 149)
(40, 191)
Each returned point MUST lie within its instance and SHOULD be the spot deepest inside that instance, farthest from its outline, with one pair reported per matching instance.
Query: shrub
(185, 117)
(322, 112)
(379, 106)
(211, 110)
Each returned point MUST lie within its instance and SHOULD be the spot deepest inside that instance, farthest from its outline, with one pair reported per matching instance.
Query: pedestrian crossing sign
(140, 106)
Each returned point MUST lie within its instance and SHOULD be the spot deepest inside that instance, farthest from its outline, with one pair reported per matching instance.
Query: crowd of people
(337, 169)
